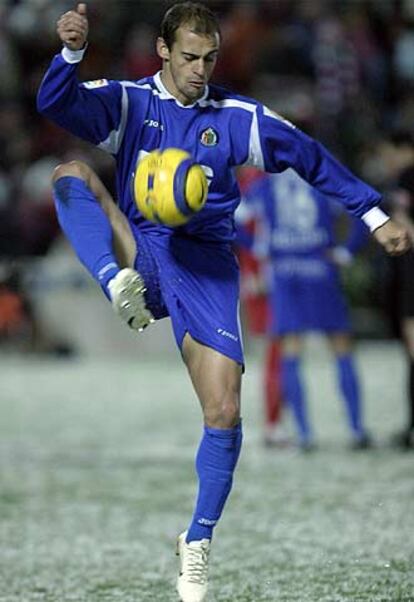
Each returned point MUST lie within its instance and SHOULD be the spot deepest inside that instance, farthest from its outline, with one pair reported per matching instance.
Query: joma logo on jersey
(226, 333)
(153, 123)
(209, 137)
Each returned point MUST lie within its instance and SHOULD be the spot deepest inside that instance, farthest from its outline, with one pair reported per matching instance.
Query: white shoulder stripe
(129, 84)
(269, 113)
(228, 103)
(155, 92)
(113, 143)
(255, 158)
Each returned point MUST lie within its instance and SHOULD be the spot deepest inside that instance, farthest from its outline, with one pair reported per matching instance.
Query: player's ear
(162, 49)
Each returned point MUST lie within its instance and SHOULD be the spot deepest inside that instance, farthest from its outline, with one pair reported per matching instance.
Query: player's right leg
(292, 387)
(217, 381)
(101, 236)
(348, 381)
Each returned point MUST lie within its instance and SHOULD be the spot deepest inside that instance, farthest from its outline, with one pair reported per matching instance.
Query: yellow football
(169, 187)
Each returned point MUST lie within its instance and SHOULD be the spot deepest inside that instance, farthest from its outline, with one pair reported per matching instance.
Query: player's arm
(283, 145)
(357, 237)
(93, 111)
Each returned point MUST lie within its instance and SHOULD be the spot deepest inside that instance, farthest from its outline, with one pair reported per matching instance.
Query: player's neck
(168, 83)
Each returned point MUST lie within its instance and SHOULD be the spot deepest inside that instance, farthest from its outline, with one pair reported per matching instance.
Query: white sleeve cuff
(73, 56)
(375, 218)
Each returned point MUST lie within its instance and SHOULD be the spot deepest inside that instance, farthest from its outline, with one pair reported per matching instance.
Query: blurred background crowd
(342, 70)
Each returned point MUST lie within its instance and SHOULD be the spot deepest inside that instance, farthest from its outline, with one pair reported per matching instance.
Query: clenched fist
(393, 237)
(72, 28)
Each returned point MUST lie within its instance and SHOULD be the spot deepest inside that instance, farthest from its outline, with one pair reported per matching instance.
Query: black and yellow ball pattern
(169, 187)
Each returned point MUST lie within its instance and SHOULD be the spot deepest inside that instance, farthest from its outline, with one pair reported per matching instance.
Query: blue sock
(293, 393)
(349, 384)
(215, 463)
(87, 227)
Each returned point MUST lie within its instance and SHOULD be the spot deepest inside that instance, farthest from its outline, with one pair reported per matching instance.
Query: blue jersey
(221, 131)
(296, 220)
(295, 226)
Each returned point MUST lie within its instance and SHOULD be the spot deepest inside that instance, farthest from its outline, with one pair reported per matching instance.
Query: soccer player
(150, 271)
(296, 225)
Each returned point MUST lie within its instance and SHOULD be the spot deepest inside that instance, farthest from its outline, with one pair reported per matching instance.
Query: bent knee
(76, 169)
(223, 415)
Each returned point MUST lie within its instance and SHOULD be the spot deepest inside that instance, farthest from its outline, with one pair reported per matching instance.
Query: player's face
(188, 65)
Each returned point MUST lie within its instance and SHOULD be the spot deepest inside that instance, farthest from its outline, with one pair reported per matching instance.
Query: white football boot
(192, 580)
(127, 295)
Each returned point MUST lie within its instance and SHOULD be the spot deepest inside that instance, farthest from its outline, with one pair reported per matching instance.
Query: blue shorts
(302, 304)
(196, 283)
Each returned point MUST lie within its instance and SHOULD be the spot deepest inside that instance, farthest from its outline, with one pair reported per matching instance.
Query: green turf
(96, 481)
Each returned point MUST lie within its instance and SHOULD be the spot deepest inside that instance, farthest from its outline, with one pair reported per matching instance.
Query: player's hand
(72, 28)
(393, 237)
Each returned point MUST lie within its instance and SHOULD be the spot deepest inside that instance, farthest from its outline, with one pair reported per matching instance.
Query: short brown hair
(202, 20)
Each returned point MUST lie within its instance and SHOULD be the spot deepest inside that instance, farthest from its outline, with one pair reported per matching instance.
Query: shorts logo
(226, 333)
(96, 83)
(209, 137)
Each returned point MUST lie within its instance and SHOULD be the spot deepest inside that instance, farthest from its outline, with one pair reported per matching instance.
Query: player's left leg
(97, 229)
(348, 381)
(271, 377)
(217, 382)
(275, 434)
(101, 236)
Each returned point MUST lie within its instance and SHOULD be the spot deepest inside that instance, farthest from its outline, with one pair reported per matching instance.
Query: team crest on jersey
(96, 83)
(209, 137)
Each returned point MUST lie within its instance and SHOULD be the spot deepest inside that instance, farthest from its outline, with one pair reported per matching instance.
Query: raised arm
(282, 145)
(94, 111)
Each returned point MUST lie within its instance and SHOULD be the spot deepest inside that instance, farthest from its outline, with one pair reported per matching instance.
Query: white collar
(165, 94)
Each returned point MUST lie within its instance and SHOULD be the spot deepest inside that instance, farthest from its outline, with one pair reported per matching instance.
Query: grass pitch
(96, 481)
